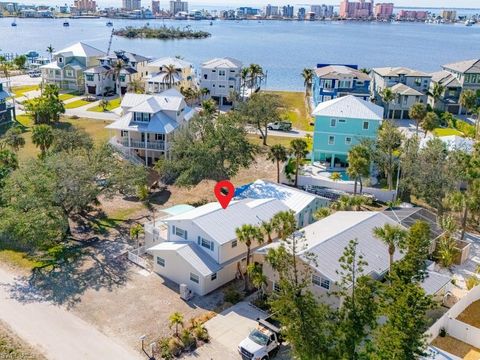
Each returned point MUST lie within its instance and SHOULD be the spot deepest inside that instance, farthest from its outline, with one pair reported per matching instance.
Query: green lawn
(446, 132)
(295, 109)
(65, 96)
(112, 105)
(76, 104)
(21, 90)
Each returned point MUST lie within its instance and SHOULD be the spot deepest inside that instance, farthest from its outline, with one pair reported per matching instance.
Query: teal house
(341, 123)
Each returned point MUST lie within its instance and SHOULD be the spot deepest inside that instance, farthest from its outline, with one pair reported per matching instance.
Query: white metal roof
(349, 107)
(226, 62)
(220, 224)
(191, 253)
(295, 199)
(81, 50)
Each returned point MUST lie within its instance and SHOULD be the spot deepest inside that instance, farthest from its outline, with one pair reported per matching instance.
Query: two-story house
(67, 67)
(148, 123)
(334, 81)
(454, 78)
(408, 86)
(7, 109)
(102, 78)
(340, 124)
(327, 239)
(221, 76)
(168, 72)
(202, 249)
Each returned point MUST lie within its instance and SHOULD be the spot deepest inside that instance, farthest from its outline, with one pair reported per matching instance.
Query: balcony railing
(150, 145)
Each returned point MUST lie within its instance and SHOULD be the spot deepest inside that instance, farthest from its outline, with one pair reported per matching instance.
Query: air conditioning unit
(185, 293)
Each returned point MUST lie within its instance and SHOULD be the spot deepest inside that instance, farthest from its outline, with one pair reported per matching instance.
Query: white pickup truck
(262, 343)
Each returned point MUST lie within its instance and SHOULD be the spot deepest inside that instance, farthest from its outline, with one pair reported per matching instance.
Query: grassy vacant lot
(112, 104)
(21, 90)
(13, 348)
(446, 132)
(76, 104)
(295, 109)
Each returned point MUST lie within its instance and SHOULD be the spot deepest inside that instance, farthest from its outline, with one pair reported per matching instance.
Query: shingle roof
(192, 254)
(226, 62)
(349, 107)
(295, 199)
(397, 71)
(340, 72)
(220, 224)
(466, 66)
(81, 50)
(403, 89)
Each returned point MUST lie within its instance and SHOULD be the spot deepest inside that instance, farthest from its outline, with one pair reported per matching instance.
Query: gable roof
(178, 63)
(466, 66)
(349, 107)
(226, 62)
(295, 199)
(397, 71)
(81, 50)
(403, 89)
(340, 72)
(220, 224)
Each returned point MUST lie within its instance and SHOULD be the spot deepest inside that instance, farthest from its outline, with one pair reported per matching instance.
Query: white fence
(456, 328)
(135, 256)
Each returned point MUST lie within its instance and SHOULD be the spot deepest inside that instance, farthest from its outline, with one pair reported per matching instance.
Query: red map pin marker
(224, 191)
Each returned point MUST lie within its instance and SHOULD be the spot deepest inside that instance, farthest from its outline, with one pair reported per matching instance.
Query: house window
(123, 133)
(89, 77)
(348, 140)
(331, 140)
(365, 125)
(180, 232)
(194, 278)
(333, 122)
(205, 243)
(213, 277)
(221, 72)
(160, 261)
(276, 287)
(234, 243)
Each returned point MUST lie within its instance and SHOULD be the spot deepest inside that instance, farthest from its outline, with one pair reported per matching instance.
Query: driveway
(54, 331)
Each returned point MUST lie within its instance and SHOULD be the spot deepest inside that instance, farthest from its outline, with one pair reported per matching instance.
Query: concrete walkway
(56, 332)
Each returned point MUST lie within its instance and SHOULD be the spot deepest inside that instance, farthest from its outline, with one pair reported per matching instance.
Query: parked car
(263, 342)
(280, 125)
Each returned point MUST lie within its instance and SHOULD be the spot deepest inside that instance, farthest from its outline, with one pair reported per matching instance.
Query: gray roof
(397, 71)
(467, 66)
(340, 72)
(434, 282)
(191, 253)
(220, 224)
(349, 107)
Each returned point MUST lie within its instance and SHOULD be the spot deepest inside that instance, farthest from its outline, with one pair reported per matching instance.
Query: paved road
(57, 333)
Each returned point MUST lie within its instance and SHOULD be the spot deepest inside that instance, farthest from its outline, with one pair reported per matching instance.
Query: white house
(221, 76)
(148, 123)
(202, 250)
(101, 78)
(327, 239)
(302, 203)
(158, 77)
(66, 69)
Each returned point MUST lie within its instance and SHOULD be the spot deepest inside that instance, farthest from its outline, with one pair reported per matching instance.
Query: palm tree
(278, 153)
(299, 149)
(387, 97)
(248, 234)
(417, 112)
(170, 72)
(14, 139)
(244, 76)
(176, 319)
(256, 71)
(42, 137)
(50, 50)
(135, 232)
(393, 236)
(307, 75)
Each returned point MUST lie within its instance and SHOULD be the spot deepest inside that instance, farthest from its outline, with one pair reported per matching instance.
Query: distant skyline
(262, 3)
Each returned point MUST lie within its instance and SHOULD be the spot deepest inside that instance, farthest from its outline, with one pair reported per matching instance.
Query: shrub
(472, 281)
(232, 296)
(187, 339)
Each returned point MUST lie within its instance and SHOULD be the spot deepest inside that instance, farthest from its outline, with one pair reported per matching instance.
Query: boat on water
(66, 23)
(109, 23)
